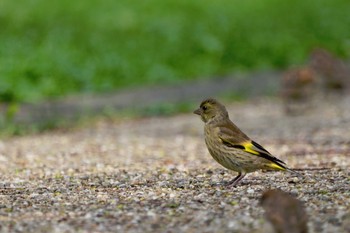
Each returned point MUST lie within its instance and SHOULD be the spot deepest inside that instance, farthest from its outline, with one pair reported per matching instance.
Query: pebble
(250, 191)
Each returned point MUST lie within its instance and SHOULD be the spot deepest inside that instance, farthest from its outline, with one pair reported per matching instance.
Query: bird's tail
(282, 167)
(294, 172)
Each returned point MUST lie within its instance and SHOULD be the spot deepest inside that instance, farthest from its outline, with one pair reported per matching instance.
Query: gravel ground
(155, 174)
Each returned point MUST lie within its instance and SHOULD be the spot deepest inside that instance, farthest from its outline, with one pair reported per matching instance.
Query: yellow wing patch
(248, 147)
(251, 148)
(276, 166)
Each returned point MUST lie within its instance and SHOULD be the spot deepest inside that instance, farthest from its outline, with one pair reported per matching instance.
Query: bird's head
(211, 109)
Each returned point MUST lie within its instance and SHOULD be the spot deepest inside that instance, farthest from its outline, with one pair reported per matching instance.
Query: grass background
(50, 49)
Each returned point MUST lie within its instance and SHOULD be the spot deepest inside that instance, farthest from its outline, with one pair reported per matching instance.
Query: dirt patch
(155, 174)
(75, 107)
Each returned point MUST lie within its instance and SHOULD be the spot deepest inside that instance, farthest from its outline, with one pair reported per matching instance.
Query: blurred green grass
(51, 49)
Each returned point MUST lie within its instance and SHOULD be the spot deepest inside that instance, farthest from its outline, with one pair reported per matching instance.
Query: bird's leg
(236, 180)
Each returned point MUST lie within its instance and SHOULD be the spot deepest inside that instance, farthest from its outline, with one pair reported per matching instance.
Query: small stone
(250, 191)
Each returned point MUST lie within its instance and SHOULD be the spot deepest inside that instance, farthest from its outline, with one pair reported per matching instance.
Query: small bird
(230, 147)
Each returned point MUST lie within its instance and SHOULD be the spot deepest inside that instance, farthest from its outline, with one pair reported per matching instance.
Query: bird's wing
(244, 143)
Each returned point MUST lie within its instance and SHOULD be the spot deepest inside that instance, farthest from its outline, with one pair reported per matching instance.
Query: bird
(232, 148)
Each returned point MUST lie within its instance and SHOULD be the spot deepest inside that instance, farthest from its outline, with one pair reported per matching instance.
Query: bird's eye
(204, 107)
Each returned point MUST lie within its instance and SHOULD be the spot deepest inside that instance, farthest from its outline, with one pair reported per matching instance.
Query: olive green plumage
(230, 147)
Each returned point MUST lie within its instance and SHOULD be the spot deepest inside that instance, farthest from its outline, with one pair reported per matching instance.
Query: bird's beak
(198, 111)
